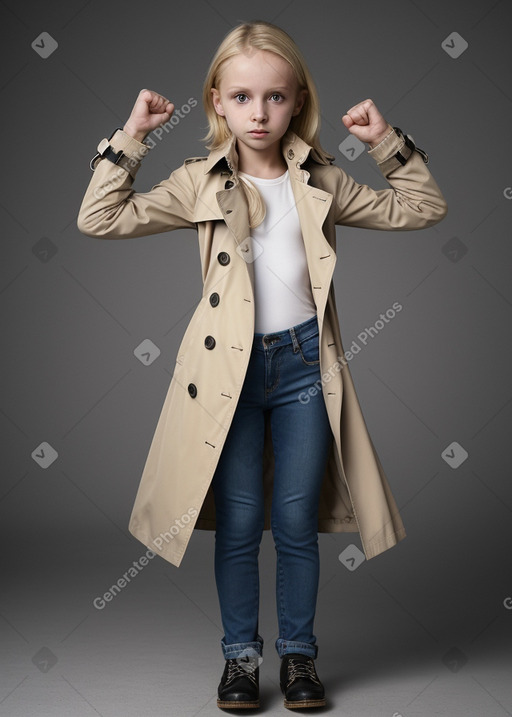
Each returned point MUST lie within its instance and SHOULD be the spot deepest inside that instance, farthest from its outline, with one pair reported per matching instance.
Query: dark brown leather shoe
(300, 683)
(239, 685)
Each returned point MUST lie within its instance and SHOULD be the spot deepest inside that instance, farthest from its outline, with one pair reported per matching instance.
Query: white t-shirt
(281, 277)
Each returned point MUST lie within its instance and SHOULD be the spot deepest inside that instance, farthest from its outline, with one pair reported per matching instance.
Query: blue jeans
(282, 366)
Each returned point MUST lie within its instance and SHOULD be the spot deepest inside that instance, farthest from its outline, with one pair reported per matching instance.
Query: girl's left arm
(414, 200)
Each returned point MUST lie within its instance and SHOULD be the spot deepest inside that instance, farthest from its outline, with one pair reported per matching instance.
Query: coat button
(291, 154)
(229, 184)
(214, 299)
(192, 389)
(223, 258)
(209, 342)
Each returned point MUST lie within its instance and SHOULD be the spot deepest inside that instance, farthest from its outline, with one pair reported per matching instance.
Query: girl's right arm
(111, 209)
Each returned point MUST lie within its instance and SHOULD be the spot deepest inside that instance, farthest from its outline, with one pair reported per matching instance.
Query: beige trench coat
(175, 494)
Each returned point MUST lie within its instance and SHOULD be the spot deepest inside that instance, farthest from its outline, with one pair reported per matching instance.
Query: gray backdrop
(424, 628)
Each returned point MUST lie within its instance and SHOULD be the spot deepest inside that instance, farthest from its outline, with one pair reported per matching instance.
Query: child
(261, 427)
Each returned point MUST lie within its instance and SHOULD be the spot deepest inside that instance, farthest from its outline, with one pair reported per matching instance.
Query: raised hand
(366, 123)
(149, 111)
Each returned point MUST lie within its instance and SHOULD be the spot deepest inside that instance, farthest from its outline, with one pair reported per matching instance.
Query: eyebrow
(243, 89)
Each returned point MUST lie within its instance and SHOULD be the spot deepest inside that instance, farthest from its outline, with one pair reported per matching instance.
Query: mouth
(258, 132)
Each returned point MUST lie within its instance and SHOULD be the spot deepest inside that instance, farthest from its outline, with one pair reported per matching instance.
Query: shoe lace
(235, 669)
(297, 670)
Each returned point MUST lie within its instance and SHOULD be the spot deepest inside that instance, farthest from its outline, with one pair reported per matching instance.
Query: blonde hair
(263, 35)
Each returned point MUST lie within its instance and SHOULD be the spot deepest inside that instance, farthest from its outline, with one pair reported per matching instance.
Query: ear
(217, 104)
(299, 102)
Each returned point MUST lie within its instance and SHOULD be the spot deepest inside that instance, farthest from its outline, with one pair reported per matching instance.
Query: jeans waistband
(294, 334)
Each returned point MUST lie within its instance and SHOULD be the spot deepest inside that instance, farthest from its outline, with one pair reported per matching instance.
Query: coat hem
(376, 548)
(173, 557)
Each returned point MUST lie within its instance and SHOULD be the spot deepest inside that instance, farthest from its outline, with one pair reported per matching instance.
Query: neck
(267, 164)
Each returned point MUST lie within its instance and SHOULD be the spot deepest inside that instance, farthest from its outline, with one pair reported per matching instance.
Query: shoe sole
(234, 705)
(300, 704)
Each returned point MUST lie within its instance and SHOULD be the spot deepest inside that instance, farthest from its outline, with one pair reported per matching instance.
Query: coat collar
(294, 149)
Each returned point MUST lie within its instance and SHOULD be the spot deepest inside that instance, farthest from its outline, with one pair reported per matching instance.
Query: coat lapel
(312, 205)
(215, 201)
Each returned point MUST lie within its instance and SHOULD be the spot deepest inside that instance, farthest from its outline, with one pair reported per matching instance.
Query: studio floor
(153, 649)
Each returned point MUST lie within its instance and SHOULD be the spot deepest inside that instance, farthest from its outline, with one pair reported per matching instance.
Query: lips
(258, 132)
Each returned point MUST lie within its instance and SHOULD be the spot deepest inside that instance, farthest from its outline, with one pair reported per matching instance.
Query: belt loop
(294, 340)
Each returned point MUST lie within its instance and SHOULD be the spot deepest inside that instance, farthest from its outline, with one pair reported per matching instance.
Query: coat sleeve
(414, 200)
(111, 209)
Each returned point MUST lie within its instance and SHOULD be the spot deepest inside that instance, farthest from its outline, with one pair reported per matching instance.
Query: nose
(259, 114)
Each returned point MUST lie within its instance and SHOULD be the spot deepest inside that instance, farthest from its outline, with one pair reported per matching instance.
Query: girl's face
(258, 90)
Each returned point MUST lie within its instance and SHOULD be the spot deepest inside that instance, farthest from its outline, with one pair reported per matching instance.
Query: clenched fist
(366, 123)
(149, 111)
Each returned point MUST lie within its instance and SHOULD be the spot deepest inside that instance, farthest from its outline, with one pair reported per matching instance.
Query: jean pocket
(309, 350)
